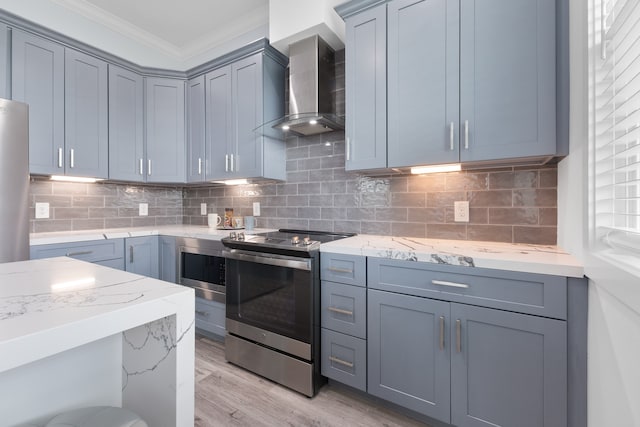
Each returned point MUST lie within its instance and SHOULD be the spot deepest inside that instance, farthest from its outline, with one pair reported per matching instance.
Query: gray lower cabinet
(240, 97)
(86, 115)
(196, 152)
(408, 363)
(37, 70)
(165, 127)
(109, 252)
(126, 125)
(507, 369)
(344, 359)
(168, 259)
(141, 256)
(210, 316)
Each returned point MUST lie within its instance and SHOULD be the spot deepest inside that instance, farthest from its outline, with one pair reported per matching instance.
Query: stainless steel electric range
(273, 305)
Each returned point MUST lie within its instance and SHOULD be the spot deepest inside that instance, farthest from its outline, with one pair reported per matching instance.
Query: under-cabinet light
(232, 182)
(74, 178)
(455, 167)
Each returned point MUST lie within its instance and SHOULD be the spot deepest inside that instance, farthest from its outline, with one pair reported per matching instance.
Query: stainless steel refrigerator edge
(14, 181)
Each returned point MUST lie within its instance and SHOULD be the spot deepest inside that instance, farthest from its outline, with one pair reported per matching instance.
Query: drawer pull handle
(341, 311)
(341, 362)
(458, 335)
(79, 253)
(202, 313)
(441, 332)
(449, 284)
(340, 270)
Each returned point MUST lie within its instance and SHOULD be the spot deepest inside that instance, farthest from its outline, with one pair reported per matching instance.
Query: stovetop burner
(283, 240)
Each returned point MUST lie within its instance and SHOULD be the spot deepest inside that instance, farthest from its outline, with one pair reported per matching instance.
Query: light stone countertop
(525, 258)
(196, 231)
(501, 256)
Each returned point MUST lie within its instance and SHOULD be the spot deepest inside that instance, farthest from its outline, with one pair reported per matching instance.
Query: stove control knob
(240, 235)
(295, 240)
(306, 241)
(233, 235)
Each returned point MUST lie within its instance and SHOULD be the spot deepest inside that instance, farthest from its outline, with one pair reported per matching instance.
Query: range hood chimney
(311, 109)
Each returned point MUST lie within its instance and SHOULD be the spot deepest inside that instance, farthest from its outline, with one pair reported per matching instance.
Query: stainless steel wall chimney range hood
(311, 109)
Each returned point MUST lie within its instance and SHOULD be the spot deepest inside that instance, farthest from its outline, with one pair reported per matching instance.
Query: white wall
(614, 295)
(293, 20)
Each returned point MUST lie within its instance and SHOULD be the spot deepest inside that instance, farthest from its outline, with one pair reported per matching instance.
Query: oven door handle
(295, 263)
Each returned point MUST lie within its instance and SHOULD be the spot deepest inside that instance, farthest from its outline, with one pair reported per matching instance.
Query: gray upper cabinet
(126, 125)
(423, 82)
(408, 352)
(366, 90)
(509, 369)
(141, 256)
(219, 124)
(5, 87)
(507, 79)
(241, 97)
(196, 160)
(86, 115)
(467, 81)
(165, 125)
(37, 70)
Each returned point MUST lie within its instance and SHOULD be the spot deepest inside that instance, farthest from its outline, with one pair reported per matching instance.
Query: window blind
(616, 112)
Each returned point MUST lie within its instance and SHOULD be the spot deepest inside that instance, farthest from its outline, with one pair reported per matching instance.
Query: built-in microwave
(202, 267)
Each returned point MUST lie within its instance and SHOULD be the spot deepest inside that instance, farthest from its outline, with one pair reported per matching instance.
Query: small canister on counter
(228, 217)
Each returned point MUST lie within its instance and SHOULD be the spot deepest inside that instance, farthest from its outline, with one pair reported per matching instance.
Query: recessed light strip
(455, 167)
(74, 178)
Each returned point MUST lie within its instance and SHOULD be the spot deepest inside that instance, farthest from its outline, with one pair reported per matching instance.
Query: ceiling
(180, 28)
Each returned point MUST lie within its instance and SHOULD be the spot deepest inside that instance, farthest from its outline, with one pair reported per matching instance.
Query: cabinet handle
(340, 311)
(199, 166)
(149, 167)
(232, 164)
(226, 163)
(341, 362)
(451, 136)
(79, 253)
(458, 335)
(141, 166)
(348, 150)
(131, 254)
(73, 157)
(466, 134)
(202, 313)
(449, 284)
(59, 157)
(340, 270)
(441, 332)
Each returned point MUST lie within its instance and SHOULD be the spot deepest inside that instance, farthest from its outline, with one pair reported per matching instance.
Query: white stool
(97, 416)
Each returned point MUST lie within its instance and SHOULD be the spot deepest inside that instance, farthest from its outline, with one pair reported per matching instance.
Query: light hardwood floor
(227, 395)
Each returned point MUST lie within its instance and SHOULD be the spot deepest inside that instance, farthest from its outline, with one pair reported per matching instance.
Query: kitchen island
(75, 334)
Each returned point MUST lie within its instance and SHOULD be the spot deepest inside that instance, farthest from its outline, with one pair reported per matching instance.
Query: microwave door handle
(298, 264)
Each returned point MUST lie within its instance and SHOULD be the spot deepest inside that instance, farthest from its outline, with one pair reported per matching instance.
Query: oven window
(203, 268)
(273, 298)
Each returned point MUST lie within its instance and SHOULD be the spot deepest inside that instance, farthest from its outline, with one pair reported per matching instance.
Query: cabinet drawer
(117, 263)
(538, 294)
(344, 359)
(91, 250)
(210, 316)
(344, 308)
(349, 269)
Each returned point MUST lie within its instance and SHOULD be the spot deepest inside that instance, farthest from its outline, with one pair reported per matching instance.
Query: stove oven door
(269, 299)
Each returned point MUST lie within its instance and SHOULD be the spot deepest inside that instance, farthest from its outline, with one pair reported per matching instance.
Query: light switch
(203, 208)
(143, 209)
(256, 208)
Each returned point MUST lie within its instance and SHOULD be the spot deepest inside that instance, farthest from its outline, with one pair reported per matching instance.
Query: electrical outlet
(461, 211)
(203, 208)
(143, 209)
(42, 210)
(256, 208)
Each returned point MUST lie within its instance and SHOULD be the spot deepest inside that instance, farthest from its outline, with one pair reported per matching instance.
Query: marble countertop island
(77, 334)
(502, 256)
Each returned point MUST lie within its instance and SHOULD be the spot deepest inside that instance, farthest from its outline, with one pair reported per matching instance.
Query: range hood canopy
(311, 109)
